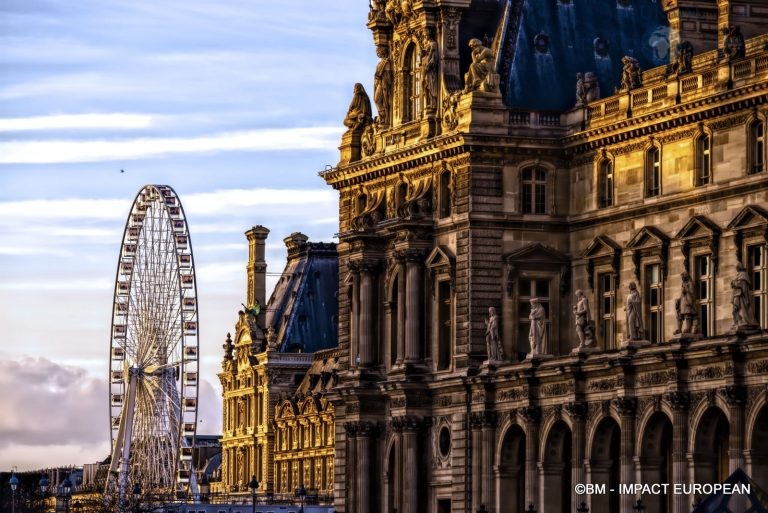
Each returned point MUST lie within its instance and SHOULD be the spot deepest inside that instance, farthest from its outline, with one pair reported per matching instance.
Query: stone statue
(687, 307)
(492, 339)
(631, 76)
(368, 140)
(450, 114)
(537, 336)
(376, 10)
(684, 62)
(584, 326)
(382, 86)
(741, 287)
(581, 92)
(429, 81)
(591, 87)
(393, 12)
(359, 112)
(634, 311)
(733, 44)
(482, 62)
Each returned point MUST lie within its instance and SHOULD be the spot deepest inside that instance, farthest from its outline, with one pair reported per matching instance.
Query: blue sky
(237, 105)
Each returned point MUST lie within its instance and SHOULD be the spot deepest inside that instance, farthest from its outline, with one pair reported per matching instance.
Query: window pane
(541, 193)
(527, 173)
(541, 175)
(525, 288)
(755, 256)
(654, 298)
(607, 280)
(607, 305)
(542, 288)
(527, 201)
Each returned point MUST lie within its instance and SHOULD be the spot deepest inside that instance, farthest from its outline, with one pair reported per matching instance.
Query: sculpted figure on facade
(359, 112)
(733, 44)
(382, 86)
(591, 87)
(430, 68)
(741, 288)
(687, 307)
(450, 108)
(581, 92)
(684, 62)
(393, 12)
(584, 324)
(482, 62)
(634, 313)
(537, 336)
(492, 339)
(631, 76)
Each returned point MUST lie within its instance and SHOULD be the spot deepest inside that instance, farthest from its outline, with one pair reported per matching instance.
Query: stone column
(352, 475)
(531, 415)
(680, 401)
(410, 466)
(627, 407)
(487, 496)
(365, 318)
(475, 422)
(413, 306)
(400, 311)
(736, 397)
(363, 440)
(578, 413)
(354, 318)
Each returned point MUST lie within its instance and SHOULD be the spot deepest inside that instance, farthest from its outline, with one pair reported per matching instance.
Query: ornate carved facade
(471, 200)
(271, 352)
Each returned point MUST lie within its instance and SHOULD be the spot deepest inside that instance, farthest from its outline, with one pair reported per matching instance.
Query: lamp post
(302, 496)
(66, 493)
(638, 506)
(583, 508)
(136, 496)
(14, 482)
(253, 485)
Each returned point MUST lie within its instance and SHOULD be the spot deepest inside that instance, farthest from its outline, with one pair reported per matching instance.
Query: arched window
(756, 147)
(362, 202)
(412, 84)
(445, 194)
(605, 184)
(703, 160)
(534, 191)
(653, 172)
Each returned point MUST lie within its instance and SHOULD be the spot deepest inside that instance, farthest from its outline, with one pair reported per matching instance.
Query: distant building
(492, 178)
(273, 348)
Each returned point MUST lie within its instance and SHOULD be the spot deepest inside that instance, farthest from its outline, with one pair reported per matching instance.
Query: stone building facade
(270, 354)
(458, 197)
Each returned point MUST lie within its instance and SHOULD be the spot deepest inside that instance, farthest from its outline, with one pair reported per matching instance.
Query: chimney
(295, 243)
(257, 269)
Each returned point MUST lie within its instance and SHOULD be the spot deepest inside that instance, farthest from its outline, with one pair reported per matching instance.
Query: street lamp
(136, 496)
(638, 506)
(14, 482)
(583, 508)
(302, 496)
(66, 492)
(253, 485)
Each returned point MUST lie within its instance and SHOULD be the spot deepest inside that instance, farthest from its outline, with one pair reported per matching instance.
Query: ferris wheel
(153, 371)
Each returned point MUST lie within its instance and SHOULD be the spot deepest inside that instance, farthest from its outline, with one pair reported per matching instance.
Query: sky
(237, 105)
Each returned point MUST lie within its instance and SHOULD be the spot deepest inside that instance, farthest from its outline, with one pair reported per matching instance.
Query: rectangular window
(653, 173)
(606, 184)
(534, 193)
(704, 285)
(443, 324)
(758, 274)
(654, 303)
(529, 289)
(704, 164)
(757, 143)
(607, 298)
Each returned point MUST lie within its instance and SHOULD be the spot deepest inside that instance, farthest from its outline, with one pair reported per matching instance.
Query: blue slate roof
(544, 43)
(303, 308)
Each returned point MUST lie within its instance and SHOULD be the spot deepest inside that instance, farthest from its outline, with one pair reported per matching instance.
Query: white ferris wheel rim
(154, 347)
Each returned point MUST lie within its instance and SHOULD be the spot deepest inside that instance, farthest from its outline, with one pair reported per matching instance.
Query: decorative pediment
(287, 409)
(699, 227)
(648, 236)
(602, 250)
(750, 216)
(648, 242)
(699, 231)
(537, 252)
(440, 257)
(752, 220)
(537, 256)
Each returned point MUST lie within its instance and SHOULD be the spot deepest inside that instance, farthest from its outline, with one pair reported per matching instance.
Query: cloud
(74, 285)
(62, 151)
(56, 414)
(69, 121)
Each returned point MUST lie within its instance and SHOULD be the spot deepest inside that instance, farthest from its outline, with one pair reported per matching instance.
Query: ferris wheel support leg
(126, 430)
